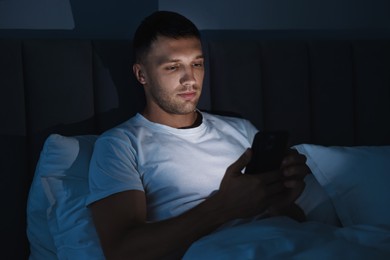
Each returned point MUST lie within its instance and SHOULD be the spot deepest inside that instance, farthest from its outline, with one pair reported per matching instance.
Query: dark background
(103, 19)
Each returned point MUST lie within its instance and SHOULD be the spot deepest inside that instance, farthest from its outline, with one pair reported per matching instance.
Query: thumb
(241, 162)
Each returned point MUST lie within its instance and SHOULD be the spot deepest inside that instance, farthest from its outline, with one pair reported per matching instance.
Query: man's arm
(121, 224)
(124, 233)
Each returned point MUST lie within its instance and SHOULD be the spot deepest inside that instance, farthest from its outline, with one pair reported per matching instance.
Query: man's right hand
(247, 195)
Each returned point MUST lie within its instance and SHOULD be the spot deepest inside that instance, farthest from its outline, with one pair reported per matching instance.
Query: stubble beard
(172, 104)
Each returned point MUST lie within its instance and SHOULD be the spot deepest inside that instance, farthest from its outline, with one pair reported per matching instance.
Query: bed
(348, 217)
(332, 95)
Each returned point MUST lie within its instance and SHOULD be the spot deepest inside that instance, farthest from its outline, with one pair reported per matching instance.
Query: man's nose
(188, 77)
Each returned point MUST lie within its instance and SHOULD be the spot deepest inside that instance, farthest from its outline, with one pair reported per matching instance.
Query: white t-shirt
(176, 168)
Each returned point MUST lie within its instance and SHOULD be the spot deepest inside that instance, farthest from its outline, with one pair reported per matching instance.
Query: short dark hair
(161, 23)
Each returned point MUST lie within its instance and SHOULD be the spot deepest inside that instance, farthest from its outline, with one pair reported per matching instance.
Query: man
(173, 174)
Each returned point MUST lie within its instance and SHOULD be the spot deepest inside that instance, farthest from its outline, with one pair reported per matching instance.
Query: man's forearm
(158, 239)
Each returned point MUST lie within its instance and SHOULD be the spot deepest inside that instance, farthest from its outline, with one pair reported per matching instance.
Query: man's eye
(173, 67)
(198, 64)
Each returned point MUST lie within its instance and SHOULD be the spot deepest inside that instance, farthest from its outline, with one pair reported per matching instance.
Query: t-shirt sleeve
(113, 169)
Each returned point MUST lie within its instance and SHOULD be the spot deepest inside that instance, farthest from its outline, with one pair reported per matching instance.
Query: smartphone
(268, 150)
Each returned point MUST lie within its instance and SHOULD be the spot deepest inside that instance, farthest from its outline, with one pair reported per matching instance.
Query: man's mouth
(188, 95)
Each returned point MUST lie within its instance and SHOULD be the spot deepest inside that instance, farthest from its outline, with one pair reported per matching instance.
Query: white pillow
(63, 168)
(357, 179)
(38, 233)
(316, 203)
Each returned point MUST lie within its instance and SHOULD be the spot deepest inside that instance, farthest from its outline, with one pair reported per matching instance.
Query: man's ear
(139, 74)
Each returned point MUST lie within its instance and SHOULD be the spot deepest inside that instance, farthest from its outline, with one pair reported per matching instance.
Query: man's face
(172, 75)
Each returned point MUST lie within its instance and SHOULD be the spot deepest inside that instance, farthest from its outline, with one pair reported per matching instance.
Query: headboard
(329, 92)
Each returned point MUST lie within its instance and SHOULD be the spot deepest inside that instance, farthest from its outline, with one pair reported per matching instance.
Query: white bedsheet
(284, 238)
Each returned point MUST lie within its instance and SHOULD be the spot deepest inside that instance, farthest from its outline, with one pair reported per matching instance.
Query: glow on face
(174, 71)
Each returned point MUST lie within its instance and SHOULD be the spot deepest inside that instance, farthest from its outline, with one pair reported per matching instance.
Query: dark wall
(284, 14)
(96, 19)
(118, 19)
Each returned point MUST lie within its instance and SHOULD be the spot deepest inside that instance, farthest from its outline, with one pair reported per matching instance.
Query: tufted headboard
(329, 92)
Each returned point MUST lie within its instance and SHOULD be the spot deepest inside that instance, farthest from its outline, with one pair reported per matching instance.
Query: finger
(294, 184)
(296, 171)
(293, 157)
(241, 162)
(288, 195)
(295, 189)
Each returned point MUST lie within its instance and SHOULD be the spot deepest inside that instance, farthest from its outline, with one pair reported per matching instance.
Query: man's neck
(189, 120)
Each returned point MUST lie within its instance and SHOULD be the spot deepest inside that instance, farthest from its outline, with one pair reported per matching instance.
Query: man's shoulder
(124, 131)
(227, 118)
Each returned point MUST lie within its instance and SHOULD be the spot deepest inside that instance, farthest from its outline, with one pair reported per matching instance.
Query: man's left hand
(294, 170)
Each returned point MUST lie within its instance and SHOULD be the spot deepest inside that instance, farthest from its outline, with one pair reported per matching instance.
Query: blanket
(284, 238)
